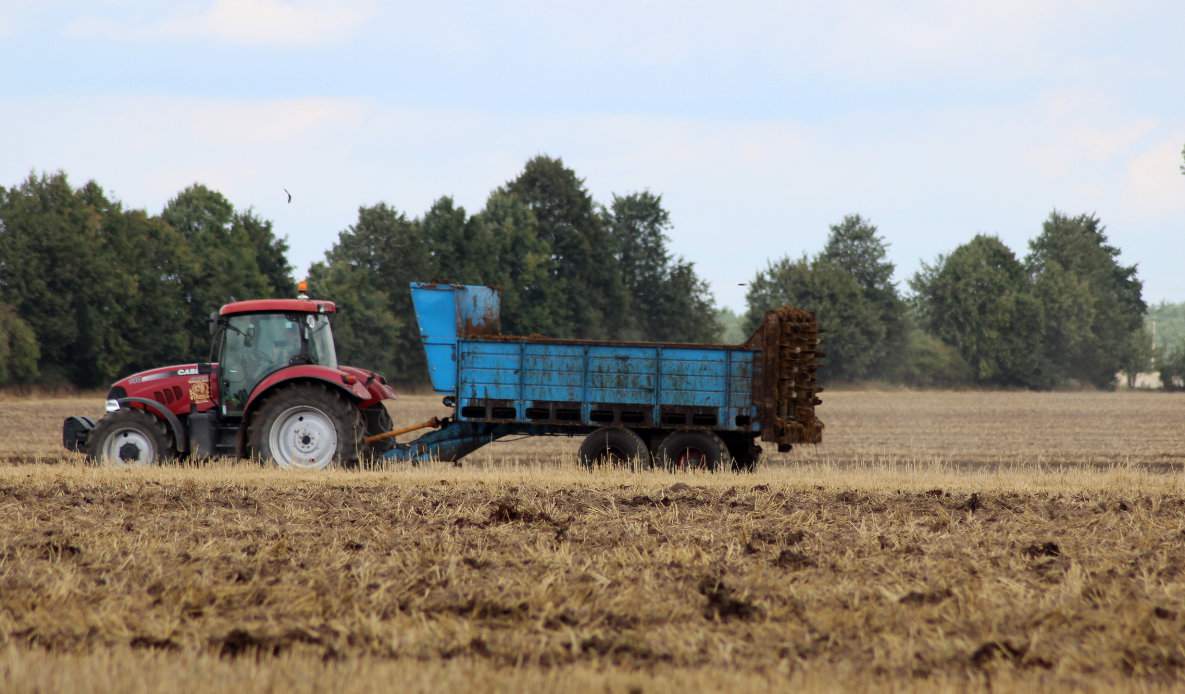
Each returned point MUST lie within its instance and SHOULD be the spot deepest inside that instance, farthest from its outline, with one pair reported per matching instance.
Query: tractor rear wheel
(614, 447)
(129, 436)
(307, 427)
(691, 450)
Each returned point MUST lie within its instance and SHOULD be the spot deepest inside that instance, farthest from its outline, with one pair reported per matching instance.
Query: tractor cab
(254, 339)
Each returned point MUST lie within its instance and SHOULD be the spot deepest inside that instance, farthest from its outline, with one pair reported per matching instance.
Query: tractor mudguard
(347, 382)
(179, 437)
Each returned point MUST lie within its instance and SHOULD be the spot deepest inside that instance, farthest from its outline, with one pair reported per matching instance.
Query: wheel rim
(303, 438)
(129, 447)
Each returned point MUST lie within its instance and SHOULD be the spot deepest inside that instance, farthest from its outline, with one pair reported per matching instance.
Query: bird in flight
(289, 196)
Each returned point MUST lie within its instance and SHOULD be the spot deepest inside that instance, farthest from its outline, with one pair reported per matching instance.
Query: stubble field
(935, 541)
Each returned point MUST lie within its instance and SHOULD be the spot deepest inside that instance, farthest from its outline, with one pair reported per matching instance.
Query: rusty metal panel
(784, 387)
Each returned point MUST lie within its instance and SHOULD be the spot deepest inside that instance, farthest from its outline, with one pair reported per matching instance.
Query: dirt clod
(723, 604)
(996, 650)
(789, 559)
(932, 597)
(972, 504)
(1045, 549)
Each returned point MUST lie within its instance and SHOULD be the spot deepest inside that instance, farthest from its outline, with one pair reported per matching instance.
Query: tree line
(1067, 313)
(567, 266)
(90, 290)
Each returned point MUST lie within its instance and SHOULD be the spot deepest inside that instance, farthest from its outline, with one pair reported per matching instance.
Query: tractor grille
(168, 396)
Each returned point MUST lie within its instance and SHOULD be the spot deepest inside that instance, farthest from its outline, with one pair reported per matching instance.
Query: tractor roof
(278, 306)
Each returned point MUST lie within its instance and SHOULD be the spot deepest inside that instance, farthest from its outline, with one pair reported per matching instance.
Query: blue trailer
(669, 404)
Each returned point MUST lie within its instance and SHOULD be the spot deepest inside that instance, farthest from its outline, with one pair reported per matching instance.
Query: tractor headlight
(112, 405)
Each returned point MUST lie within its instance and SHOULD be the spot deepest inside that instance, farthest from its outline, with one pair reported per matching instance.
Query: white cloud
(252, 22)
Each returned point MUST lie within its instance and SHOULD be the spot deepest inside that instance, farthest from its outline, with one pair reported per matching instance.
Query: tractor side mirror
(213, 322)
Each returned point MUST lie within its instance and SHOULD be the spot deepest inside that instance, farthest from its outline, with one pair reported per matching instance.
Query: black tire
(745, 453)
(692, 450)
(614, 447)
(130, 436)
(306, 419)
(378, 421)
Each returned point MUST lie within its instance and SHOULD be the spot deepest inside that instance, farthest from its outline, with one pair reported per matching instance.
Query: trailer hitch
(434, 423)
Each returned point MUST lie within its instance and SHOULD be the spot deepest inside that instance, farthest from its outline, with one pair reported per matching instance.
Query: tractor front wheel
(307, 427)
(129, 436)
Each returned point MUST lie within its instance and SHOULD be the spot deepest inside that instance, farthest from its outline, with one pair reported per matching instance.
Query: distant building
(1147, 380)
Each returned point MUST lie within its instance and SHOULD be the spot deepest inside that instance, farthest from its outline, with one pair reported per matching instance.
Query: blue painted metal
(458, 439)
(500, 385)
(450, 443)
(445, 313)
(526, 371)
(520, 375)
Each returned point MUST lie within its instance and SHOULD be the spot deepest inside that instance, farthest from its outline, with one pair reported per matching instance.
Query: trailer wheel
(307, 427)
(129, 436)
(614, 447)
(691, 450)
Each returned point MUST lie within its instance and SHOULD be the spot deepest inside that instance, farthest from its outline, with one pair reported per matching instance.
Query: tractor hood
(175, 387)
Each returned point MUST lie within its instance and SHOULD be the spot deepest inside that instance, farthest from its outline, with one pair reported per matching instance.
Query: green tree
(589, 287)
(521, 265)
(1167, 322)
(851, 321)
(928, 362)
(731, 326)
(225, 264)
(978, 300)
(855, 246)
(59, 273)
(460, 250)
(1172, 368)
(151, 307)
(667, 300)
(269, 250)
(1138, 356)
(1092, 304)
(18, 349)
(367, 272)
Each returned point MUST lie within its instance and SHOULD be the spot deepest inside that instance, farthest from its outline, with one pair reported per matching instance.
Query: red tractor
(272, 388)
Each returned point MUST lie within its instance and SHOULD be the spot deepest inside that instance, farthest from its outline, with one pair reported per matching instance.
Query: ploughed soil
(847, 581)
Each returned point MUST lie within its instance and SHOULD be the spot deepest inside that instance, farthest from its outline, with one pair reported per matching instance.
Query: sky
(759, 123)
